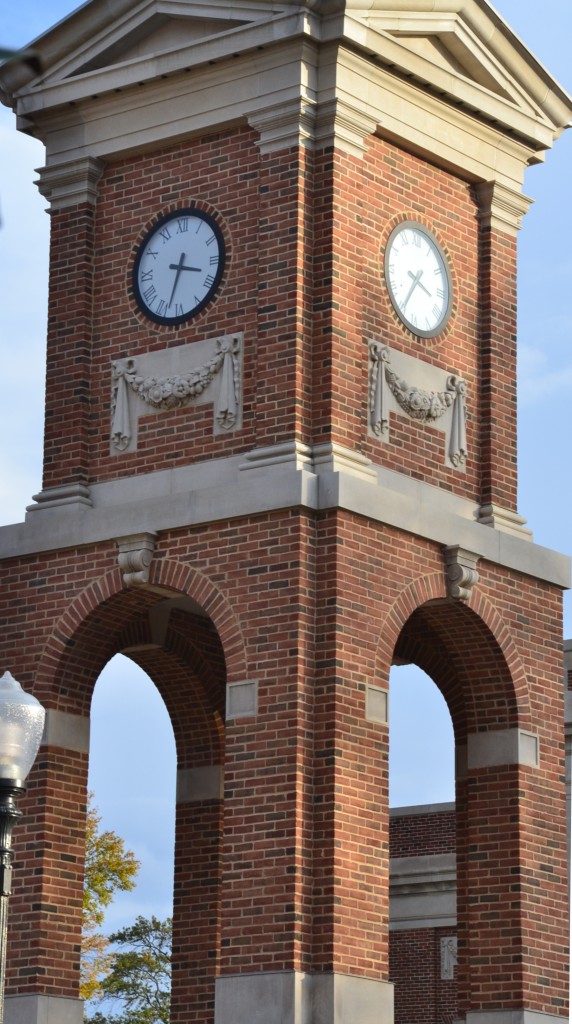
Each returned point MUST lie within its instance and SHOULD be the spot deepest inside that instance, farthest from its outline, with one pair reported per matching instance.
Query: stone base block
(39, 1009)
(511, 1017)
(290, 997)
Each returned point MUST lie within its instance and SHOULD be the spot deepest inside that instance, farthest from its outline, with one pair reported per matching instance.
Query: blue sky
(545, 375)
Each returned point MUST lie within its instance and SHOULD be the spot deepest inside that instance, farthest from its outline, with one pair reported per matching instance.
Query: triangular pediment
(159, 33)
(452, 44)
(463, 51)
(459, 51)
(138, 36)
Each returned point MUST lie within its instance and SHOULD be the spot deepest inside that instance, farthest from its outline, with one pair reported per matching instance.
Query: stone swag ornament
(178, 390)
(421, 405)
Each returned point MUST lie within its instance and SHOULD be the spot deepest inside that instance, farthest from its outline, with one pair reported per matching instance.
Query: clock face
(418, 279)
(178, 266)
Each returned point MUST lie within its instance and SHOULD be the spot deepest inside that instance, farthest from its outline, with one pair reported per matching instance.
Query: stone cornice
(313, 478)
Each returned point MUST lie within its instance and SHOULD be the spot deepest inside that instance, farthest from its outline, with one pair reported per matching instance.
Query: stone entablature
(363, 73)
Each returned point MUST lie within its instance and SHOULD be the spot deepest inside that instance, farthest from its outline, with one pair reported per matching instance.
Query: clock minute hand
(178, 267)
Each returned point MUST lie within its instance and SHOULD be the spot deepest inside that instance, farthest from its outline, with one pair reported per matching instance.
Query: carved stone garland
(178, 390)
(425, 406)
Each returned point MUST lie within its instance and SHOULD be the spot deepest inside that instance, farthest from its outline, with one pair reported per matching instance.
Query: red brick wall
(358, 203)
(421, 995)
(415, 835)
(311, 606)
(305, 260)
(320, 621)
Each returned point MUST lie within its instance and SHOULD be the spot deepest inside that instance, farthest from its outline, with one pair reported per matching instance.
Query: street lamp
(21, 726)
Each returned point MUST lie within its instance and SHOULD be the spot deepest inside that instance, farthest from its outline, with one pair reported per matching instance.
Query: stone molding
(504, 519)
(422, 891)
(160, 500)
(70, 732)
(460, 572)
(497, 748)
(286, 124)
(399, 383)
(501, 208)
(203, 371)
(73, 497)
(70, 182)
(345, 125)
(330, 457)
(291, 997)
(317, 79)
(510, 1017)
(134, 556)
(297, 454)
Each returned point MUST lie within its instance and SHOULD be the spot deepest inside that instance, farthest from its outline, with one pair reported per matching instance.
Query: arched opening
(132, 775)
(421, 741)
(169, 636)
(451, 875)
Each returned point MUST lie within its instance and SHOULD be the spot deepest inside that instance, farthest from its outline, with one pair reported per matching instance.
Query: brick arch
(170, 575)
(427, 588)
(174, 575)
(478, 628)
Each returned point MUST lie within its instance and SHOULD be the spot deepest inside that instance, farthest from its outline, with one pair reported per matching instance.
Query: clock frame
(418, 279)
(178, 266)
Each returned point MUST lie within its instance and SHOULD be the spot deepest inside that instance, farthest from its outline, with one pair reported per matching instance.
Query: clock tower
(280, 456)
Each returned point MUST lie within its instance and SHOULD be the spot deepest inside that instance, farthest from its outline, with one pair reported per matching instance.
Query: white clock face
(418, 279)
(178, 266)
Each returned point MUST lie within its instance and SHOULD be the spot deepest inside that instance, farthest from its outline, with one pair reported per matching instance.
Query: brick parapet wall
(413, 835)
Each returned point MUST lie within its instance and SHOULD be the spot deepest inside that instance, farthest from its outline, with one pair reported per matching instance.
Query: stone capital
(501, 208)
(71, 182)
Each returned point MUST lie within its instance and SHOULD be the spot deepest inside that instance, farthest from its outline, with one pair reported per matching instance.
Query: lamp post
(21, 726)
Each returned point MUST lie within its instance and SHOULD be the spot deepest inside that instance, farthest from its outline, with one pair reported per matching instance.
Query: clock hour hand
(178, 267)
(414, 282)
(420, 283)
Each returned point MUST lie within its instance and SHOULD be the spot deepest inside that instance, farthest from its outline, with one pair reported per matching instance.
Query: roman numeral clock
(178, 266)
(418, 279)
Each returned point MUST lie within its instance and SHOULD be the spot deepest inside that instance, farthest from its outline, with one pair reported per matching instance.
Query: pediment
(137, 36)
(461, 49)
(459, 52)
(159, 33)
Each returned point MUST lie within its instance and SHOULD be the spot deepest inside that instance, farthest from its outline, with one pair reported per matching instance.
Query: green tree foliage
(109, 868)
(138, 985)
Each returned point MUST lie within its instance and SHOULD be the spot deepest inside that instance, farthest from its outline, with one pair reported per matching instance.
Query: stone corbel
(70, 183)
(134, 557)
(460, 572)
(500, 207)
